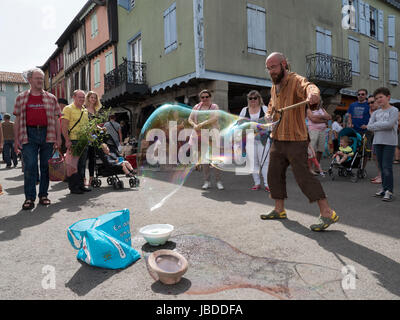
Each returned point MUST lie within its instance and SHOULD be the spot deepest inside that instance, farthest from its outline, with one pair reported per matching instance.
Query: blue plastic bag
(105, 241)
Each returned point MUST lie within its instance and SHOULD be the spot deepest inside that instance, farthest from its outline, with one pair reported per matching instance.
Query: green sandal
(274, 215)
(324, 222)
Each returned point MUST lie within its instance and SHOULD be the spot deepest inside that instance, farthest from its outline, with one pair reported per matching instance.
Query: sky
(30, 28)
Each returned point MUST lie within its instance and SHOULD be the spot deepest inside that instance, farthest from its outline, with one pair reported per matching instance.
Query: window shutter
(381, 36)
(109, 62)
(373, 62)
(391, 30)
(393, 68)
(354, 55)
(251, 15)
(170, 30)
(97, 74)
(256, 30)
(261, 31)
(174, 37)
(367, 19)
(324, 41)
(361, 13)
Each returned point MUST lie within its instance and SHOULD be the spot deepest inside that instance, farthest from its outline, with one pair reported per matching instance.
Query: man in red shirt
(36, 132)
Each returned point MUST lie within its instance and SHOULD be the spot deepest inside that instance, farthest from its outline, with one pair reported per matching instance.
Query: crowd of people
(303, 136)
(44, 124)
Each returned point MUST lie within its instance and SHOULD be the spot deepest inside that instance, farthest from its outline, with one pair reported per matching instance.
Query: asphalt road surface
(232, 253)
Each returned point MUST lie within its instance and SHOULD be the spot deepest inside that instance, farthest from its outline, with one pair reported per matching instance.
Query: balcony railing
(127, 73)
(329, 70)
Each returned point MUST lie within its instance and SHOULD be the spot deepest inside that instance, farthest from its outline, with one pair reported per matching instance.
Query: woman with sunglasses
(255, 112)
(204, 120)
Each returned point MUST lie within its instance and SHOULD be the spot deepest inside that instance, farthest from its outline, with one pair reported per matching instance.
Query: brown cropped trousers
(294, 153)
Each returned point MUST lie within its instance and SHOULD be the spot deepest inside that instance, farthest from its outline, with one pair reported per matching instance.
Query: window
(354, 55)
(73, 42)
(368, 20)
(170, 33)
(393, 68)
(135, 55)
(3, 104)
(109, 61)
(97, 80)
(76, 81)
(136, 50)
(18, 88)
(94, 25)
(391, 30)
(256, 30)
(83, 78)
(373, 62)
(373, 22)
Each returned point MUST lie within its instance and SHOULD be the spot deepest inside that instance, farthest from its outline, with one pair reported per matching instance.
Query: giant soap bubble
(170, 148)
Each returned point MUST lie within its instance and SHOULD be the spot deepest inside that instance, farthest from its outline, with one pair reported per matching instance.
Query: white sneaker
(206, 185)
(220, 185)
(388, 196)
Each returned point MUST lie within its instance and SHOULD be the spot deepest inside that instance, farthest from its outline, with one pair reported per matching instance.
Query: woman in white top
(255, 111)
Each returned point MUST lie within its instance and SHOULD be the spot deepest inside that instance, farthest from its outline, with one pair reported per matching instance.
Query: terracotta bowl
(168, 265)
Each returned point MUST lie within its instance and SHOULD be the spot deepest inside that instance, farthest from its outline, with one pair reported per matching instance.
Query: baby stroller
(104, 169)
(356, 162)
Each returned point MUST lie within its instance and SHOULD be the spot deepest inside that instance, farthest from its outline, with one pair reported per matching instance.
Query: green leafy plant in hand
(91, 133)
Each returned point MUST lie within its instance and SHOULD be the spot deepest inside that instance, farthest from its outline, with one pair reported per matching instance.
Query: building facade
(54, 74)
(141, 54)
(11, 85)
(101, 24)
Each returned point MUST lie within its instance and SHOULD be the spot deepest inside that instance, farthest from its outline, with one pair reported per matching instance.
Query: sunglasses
(253, 98)
(361, 94)
(371, 102)
(204, 97)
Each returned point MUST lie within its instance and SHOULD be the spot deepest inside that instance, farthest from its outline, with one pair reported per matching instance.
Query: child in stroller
(345, 151)
(115, 160)
(111, 164)
(345, 160)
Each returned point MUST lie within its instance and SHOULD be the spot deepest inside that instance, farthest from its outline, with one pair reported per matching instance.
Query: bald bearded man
(290, 141)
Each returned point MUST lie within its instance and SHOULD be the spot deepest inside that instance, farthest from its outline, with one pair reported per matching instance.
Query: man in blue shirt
(359, 112)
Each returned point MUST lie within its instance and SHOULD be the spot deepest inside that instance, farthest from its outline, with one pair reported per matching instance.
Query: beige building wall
(290, 29)
(146, 20)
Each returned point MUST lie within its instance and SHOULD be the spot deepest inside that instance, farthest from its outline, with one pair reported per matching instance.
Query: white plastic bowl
(156, 234)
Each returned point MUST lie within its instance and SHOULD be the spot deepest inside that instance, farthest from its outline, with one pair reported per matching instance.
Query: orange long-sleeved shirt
(293, 90)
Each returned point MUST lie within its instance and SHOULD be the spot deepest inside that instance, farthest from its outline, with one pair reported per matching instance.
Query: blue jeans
(36, 146)
(9, 153)
(385, 157)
